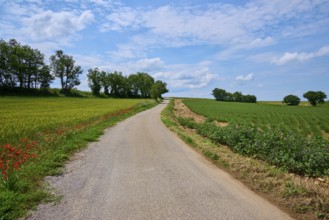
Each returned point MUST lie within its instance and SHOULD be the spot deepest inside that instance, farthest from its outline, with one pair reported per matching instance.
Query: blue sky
(266, 48)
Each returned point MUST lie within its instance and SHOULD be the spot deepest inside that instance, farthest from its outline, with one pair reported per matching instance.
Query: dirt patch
(182, 110)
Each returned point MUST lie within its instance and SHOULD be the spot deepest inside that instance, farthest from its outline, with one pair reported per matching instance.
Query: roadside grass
(22, 187)
(302, 197)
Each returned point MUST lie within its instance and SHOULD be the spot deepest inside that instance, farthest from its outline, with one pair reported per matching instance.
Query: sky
(265, 48)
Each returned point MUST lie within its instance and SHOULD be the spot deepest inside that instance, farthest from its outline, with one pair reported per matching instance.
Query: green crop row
(306, 120)
(289, 151)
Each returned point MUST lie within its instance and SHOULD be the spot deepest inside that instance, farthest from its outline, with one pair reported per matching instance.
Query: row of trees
(222, 95)
(114, 84)
(314, 98)
(22, 66)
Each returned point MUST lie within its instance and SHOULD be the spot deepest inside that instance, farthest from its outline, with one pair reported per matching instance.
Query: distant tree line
(114, 84)
(25, 68)
(222, 95)
(314, 98)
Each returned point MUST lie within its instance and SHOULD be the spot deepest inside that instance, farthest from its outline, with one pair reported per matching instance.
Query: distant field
(21, 117)
(305, 119)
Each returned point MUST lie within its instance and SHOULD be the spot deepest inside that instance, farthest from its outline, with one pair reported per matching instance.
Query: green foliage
(157, 89)
(291, 100)
(222, 95)
(289, 151)
(139, 85)
(94, 81)
(305, 120)
(23, 66)
(315, 97)
(62, 66)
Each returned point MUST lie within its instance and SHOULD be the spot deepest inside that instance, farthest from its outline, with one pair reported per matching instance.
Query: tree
(291, 100)
(157, 89)
(95, 81)
(118, 84)
(105, 82)
(315, 97)
(145, 82)
(219, 94)
(222, 95)
(43, 77)
(21, 65)
(134, 85)
(237, 97)
(63, 67)
(7, 79)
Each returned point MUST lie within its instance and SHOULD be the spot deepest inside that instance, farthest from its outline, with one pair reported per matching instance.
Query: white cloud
(182, 76)
(49, 25)
(247, 77)
(289, 57)
(190, 76)
(252, 25)
(124, 17)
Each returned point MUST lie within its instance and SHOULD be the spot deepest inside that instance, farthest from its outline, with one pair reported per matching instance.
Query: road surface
(140, 170)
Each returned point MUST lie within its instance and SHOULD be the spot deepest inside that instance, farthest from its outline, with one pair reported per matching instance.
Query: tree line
(24, 67)
(114, 84)
(222, 95)
(314, 98)
(21, 66)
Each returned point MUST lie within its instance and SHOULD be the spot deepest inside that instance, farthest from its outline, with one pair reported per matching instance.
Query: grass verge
(302, 197)
(22, 190)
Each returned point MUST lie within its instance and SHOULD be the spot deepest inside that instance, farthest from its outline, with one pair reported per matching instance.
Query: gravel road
(140, 170)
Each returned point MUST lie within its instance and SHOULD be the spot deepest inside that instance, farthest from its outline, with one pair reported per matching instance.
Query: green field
(22, 117)
(307, 120)
(37, 136)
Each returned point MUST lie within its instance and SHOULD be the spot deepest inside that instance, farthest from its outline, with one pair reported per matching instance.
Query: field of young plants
(37, 135)
(306, 120)
(288, 137)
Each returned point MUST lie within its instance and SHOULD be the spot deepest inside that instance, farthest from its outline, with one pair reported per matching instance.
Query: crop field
(37, 136)
(22, 117)
(306, 120)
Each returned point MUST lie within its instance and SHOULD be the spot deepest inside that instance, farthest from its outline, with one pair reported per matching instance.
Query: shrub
(291, 100)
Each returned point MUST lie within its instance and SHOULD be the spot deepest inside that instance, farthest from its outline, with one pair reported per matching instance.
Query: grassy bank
(39, 134)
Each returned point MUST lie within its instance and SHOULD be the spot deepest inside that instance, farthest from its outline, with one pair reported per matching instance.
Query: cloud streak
(290, 57)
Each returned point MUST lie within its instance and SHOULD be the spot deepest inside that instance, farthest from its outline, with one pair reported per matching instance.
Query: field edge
(301, 198)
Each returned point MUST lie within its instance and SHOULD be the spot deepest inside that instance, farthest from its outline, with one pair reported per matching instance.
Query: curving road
(140, 170)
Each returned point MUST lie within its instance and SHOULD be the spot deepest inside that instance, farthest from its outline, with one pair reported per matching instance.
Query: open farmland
(37, 136)
(306, 120)
(22, 117)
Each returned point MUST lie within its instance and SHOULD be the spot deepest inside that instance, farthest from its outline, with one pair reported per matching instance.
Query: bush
(291, 100)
